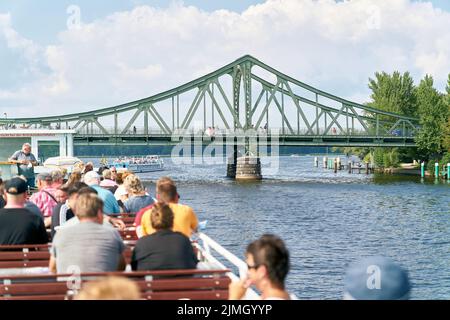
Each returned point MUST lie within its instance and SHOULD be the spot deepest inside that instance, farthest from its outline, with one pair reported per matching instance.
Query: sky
(60, 57)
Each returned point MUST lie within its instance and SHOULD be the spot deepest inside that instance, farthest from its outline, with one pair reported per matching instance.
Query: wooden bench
(24, 256)
(129, 234)
(154, 285)
(30, 256)
(127, 218)
(129, 221)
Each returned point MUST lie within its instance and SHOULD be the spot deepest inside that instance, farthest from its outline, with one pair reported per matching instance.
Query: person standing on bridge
(25, 161)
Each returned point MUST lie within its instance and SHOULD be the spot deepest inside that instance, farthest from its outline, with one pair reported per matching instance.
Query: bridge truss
(242, 96)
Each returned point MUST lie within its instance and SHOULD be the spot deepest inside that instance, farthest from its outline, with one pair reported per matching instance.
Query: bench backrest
(30, 256)
(24, 256)
(154, 285)
(128, 234)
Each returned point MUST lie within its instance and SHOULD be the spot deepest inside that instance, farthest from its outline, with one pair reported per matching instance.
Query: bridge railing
(142, 132)
(405, 132)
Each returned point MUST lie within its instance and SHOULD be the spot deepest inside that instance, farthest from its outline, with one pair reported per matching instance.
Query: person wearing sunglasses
(268, 265)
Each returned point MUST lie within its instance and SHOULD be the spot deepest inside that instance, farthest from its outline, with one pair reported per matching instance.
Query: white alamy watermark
(373, 21)
(224, 146)
(74, 280)
(74, 19)
(374, 279)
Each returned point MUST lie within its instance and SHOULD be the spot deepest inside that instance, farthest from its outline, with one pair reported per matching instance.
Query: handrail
(209, 244)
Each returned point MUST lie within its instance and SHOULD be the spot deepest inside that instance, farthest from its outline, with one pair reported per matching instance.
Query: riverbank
(411, 169)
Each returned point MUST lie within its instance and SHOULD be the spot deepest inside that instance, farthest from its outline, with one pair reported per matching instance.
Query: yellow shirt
(184, 220)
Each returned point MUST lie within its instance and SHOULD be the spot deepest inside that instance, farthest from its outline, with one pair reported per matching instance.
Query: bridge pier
(248, 168)
(231, 170)
(243, 168)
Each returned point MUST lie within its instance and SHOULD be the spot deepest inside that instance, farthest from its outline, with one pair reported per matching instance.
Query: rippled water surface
(327, 220)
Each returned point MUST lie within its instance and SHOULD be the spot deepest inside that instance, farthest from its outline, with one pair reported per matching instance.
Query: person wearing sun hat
(376, 278)
(17, 224)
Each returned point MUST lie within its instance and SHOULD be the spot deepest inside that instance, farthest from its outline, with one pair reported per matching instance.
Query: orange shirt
(184, 220)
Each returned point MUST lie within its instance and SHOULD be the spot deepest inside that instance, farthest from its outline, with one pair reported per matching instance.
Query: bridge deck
(282, 140)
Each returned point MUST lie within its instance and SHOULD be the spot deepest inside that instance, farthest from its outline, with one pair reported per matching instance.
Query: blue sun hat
(376, 278)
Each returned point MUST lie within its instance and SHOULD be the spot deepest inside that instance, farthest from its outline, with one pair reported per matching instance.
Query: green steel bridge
(242, 99)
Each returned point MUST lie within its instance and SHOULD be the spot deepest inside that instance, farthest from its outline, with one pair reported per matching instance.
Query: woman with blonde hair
(121, 194)
(137, 197)
(79, 166)
(75, 177)
(110, 288)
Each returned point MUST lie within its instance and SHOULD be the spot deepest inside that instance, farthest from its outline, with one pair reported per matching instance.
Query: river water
(327, 220)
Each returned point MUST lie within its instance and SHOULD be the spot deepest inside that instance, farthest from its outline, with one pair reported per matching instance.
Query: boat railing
(208, 246)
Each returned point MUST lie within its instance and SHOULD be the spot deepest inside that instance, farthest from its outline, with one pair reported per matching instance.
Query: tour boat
(140, 164)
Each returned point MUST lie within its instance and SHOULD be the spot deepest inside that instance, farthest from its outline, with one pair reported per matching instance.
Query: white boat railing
(206, 248)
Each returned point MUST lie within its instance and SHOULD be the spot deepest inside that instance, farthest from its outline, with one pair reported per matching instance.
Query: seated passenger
(74, 177)
(140, 213)
(61, 194)
(63, 212)
(268, 266)
(58, 178)
(121, 193)
(137, 197)
(110, 288)
(72, 219)
(107, 181)
(111, 206)
(17, 224)
(28, 204)
(45, 199)
(89, 246)
(164, 249)
(185, 220)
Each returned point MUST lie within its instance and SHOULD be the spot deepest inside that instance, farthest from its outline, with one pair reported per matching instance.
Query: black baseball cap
(16, 186)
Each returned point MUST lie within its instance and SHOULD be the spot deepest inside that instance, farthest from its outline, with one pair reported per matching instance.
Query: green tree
(378, 157)
(393, 93)
(447, 127)
(433, 114)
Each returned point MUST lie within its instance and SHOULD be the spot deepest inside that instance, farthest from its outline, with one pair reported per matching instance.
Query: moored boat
(149, 163)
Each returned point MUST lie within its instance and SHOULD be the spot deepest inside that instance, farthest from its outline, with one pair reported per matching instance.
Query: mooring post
(349, 167)
(335, 165)
(367, 168)
(316, 162)
(325, 159)
(422, 169)
(436, 170)
(448, 171)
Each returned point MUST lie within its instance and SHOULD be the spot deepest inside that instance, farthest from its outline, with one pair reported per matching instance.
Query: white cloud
(28, 50)
(135, 54)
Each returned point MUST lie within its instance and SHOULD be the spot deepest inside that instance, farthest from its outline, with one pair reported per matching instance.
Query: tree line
(397, 93)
